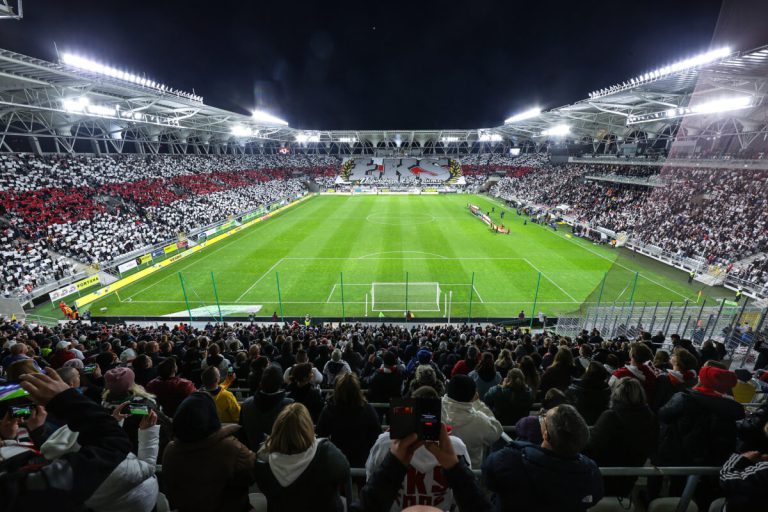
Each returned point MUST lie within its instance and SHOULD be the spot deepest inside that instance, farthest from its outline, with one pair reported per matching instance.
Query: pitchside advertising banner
(101, 292)
(400, 170)
(128, 265)
(74, 287)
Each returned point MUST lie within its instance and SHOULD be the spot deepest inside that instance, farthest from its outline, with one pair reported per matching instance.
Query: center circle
(399, 220)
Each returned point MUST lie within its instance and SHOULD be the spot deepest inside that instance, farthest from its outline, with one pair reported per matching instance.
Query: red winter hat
(119, 380)
(717, 379)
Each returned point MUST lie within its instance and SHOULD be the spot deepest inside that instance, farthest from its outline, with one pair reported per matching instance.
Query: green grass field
(432, 242)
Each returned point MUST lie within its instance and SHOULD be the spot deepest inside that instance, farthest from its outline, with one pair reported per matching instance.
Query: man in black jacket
(259, 412)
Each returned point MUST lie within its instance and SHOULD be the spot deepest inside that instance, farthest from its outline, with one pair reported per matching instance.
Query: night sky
(386, 65)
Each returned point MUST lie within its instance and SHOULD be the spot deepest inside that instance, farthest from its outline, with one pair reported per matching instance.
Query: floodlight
(722, 105)
(303, 138)
(449, 139)
(100, 110)
(489, 137)
(74, 104)
(557, 130)
(347, 140)
(265, 118)
(528, 114)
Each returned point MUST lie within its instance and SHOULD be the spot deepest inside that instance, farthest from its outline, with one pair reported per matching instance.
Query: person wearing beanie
(205, 468)
(698, 428)
(682, 377)
(472, 421)
(258, 413)
(120, 389)
(551, 476)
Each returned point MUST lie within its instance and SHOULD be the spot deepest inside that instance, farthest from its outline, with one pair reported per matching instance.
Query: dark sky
(385, 65)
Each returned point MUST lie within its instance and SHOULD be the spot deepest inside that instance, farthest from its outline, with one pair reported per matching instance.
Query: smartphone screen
(23, 411)
(11, 391)
(89, 369)
(138, 410)
(401, 418)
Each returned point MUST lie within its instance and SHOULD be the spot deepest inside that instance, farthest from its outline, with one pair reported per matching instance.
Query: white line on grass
(478, 294)
(372, 259)
(367, 256)
(330, 294)
(551, 281)
(207, 254)
(259, 279)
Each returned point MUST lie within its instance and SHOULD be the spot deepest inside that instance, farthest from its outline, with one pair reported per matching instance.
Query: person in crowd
(301, 357)
(466, 365)
(297, 471)
(386, 382)
(553, 476)
(472, 421)
(169, 390)
(86, 464)
(215, 359)
(485, 374)
(423, 481)
(511, 400)
(143, 369)
(699, 428)
(301, 389)
(532, 376)
(256, 370)
(381, 489)
(560, 373)
(744, 480)
(681, 377)
(529, 428)
(205, 468)
(349, 421)
(227, 406)
(624, 435)
(258, 413)
(61, 355)
(590, 394)
(639, 368)
(426, 376)
(504, 362)
(335, 368)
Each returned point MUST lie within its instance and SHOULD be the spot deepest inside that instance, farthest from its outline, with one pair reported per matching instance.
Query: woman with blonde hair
(297, 471)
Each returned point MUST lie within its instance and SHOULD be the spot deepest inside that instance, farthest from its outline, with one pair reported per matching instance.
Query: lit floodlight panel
(557, 130)
(522, 116)
(722, 105)
(265, 118)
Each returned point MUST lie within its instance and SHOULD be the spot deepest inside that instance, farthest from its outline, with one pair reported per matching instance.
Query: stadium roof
(40, 99)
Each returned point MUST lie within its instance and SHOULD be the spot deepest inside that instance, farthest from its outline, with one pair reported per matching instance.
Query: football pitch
(352, 256)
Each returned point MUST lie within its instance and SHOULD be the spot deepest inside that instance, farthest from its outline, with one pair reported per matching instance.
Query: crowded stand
(718, 214)
(95, 208)
(226, 417)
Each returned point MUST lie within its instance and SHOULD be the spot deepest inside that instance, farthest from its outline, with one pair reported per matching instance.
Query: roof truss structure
(132, 118)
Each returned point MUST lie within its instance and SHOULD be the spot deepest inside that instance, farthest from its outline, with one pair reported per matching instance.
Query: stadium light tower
(522, 116)
(7, 11)
(697, 61)
(85, 64)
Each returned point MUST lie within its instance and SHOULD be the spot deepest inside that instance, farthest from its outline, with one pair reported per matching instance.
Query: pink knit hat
(119, 380)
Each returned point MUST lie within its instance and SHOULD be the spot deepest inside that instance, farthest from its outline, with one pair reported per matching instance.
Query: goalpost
(405, 296)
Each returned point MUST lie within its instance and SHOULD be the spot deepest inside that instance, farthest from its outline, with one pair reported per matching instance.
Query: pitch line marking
(401, 252)
(259, 280)
(245, 233)
(328, 300)
(478, 294)
(604, 257)
(551, 281)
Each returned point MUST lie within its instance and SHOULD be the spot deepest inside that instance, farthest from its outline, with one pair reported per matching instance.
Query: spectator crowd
(230, 417)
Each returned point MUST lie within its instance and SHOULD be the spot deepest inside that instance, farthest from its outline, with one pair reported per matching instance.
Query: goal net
(405, 297)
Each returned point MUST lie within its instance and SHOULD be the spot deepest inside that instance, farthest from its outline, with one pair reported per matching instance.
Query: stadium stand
(93, 209)
(155, 372)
